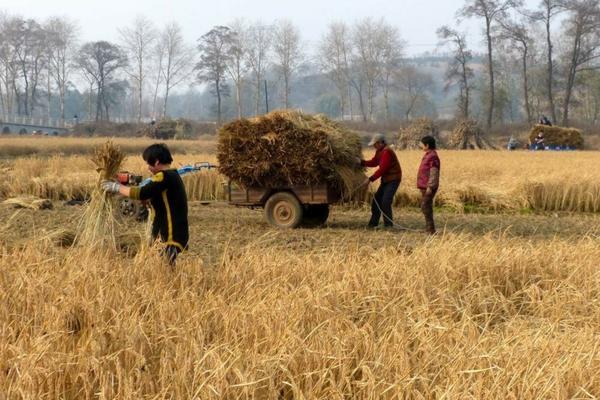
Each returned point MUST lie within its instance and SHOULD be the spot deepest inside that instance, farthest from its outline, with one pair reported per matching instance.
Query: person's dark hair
(157, 152)
(429, 141)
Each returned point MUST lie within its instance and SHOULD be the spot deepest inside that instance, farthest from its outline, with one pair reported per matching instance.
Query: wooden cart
(287, 207)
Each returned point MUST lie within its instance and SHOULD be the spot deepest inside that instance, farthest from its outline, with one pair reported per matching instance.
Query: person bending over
(390, 173)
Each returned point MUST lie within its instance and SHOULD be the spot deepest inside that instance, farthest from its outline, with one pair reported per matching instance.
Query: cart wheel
(283, 210)
(315, 215)
(133, 209)
(127, 207)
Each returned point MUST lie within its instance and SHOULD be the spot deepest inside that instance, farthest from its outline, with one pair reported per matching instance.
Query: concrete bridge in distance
(24, 125)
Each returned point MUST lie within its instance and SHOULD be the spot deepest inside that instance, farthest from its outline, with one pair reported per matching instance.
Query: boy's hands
(110, 186)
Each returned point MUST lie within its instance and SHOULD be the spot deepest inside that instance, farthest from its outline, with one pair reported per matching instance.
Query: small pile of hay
(97, 225)
(286, 148)
(410, 137)
(467, 135)
(33, 203)
(558, 136)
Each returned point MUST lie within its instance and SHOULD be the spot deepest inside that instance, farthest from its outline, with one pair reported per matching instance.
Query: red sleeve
(384, 165)
(373, 162)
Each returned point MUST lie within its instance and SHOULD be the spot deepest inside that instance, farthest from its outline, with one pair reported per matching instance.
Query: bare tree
(215, 51)
(459, 71)
(8, 64)
(413, 85)
(334, 58)
(138, 41)
(490, 11)
(236, 66)
(549, 9)
(61, 46)
(517, 35)
(368, 38)
(26, 44)
(101, 61)
(178, 60)
(391, 61)
(583, 32)
(288, 54)
(259, 44)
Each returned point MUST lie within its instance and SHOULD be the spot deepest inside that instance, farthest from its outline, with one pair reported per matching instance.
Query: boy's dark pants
(427, 208)
(384, 197)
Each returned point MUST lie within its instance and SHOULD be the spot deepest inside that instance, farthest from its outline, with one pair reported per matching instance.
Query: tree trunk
(371, 94)
(257, 96)
(218, 89)
(286, 91)
(164, 111)
(550, 83)
(571, 77)
(526, 86)
(49, 99)
(490, 113)
(139, 118)
(238, 98)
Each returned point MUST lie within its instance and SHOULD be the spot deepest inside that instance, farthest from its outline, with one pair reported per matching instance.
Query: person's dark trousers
(171, 252)
(384, 198)
(427, 208)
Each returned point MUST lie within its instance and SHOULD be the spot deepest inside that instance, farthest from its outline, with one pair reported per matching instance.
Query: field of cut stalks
(499, 305)
(485, 181)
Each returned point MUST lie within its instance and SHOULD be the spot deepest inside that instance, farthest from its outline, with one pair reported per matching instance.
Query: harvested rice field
(501, 303)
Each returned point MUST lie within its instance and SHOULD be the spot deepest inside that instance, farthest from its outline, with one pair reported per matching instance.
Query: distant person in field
(513, 144)
(428, 180)
(167, 197)
(390, 174)
(544, 121)
(538, 142)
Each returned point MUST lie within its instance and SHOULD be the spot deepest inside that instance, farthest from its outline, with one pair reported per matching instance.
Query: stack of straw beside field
(467, 135)
(558, 136)
(410, 137)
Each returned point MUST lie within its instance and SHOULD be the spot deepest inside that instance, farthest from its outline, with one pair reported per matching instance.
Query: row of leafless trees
(552, 50)
(528, 37)
(43, 59)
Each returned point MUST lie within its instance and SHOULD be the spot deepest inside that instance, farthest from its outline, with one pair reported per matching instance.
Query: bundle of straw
(468, 135)
(97, 226)
(286, 148)
(410, 136)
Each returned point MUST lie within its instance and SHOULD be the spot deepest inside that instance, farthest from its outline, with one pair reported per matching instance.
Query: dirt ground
(218, 226)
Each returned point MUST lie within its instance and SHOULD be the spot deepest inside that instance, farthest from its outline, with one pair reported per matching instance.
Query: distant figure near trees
(544, 121)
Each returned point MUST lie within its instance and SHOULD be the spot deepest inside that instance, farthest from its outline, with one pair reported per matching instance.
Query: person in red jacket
(428, 180)
(390, 173)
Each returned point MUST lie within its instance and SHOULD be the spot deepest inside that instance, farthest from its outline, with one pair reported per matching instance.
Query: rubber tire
(315, 215)
(283, 210)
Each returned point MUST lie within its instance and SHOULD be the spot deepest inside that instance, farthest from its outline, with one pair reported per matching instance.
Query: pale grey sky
(417, 20)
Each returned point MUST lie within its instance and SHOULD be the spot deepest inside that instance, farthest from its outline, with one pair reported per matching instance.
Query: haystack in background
(97, 225)
(557, 136)
(287, 148)
(409, 138)
(467, 135)
(169, 129)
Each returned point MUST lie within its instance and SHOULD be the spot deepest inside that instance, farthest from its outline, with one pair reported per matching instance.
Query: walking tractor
(284, 207)
(132, 208)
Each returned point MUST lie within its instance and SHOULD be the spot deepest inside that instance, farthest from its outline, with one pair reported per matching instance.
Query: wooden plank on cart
(317, 194)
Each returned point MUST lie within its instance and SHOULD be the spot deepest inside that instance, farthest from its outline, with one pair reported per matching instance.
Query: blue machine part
(185, 170)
